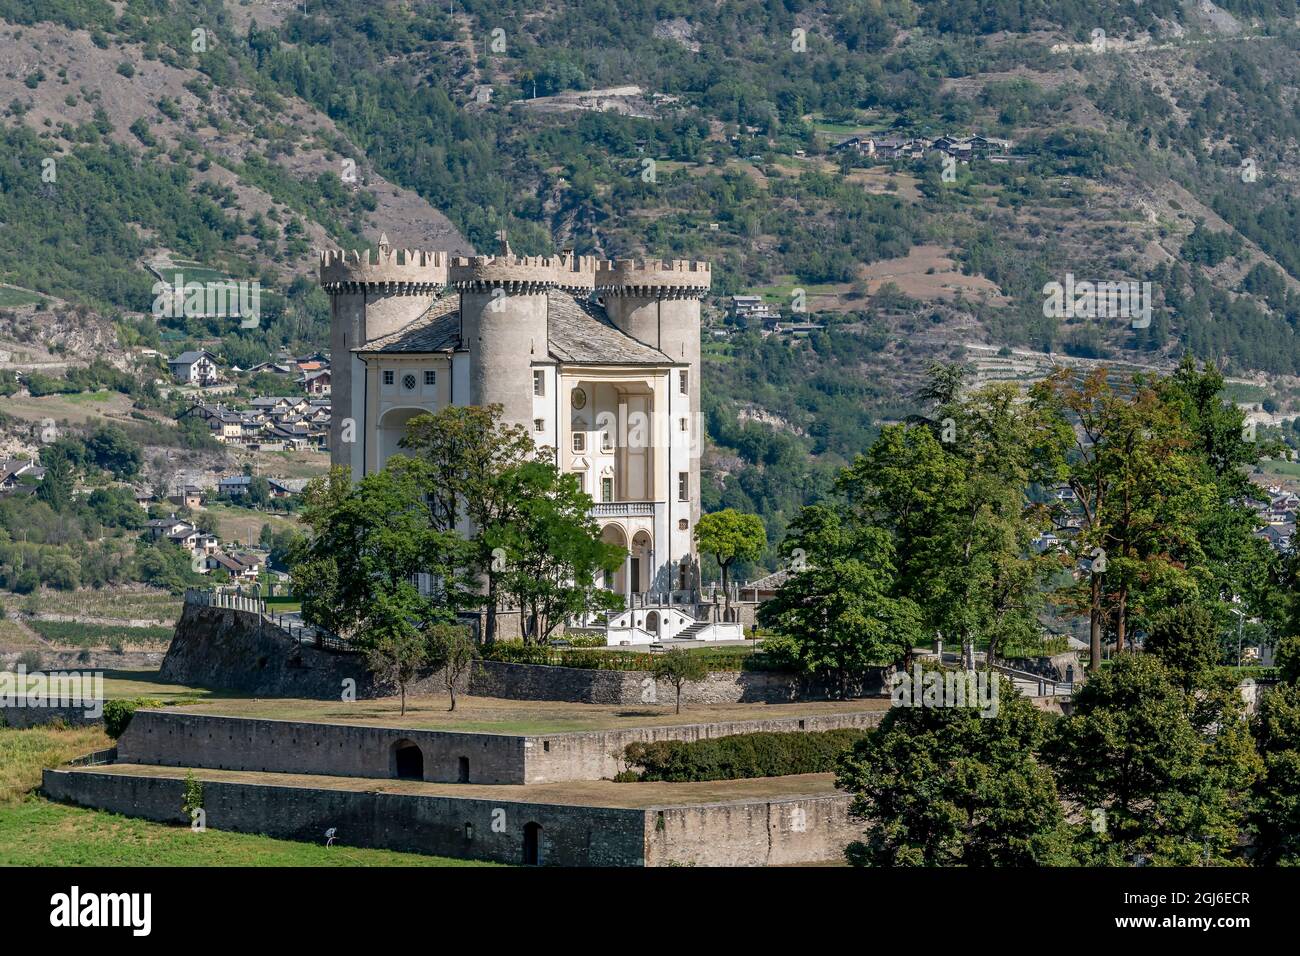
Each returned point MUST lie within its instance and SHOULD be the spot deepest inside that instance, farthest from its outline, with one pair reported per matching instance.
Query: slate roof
(578, 332)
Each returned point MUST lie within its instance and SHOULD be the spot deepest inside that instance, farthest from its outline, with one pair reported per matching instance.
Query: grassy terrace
(590, 793)
(118, 684)
(492, 715)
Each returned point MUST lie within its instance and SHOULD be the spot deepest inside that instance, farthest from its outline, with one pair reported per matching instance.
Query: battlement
(523, 274)
(658, 278)
(415, 270)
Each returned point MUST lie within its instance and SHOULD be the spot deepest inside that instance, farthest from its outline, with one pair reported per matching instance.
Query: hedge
(727, 658)
(738, 756)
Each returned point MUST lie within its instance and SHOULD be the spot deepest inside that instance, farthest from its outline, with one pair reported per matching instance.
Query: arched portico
(392, 429)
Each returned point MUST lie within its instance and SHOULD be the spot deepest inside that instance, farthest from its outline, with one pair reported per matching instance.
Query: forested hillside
(1150, 142)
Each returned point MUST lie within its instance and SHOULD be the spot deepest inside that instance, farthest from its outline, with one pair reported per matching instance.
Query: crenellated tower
(371, 296)
(503, 311)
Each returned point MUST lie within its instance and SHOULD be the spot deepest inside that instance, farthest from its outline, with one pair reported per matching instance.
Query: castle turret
(503, 312)
(658, 303)
(370, 297)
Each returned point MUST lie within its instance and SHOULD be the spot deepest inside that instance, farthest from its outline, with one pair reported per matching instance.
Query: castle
(598, 359)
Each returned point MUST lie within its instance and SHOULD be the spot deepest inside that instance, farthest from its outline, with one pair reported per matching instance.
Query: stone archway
(615, 580)
(640, 561)
(406, 760)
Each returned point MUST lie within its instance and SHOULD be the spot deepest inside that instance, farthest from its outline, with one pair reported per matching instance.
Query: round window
(579, 398)
(408, 382)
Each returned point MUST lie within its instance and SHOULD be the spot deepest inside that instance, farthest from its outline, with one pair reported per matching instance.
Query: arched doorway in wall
(392, 429)
(614, 534)
(640, 560)
(406, 761)
(652, 622)
(532, 844)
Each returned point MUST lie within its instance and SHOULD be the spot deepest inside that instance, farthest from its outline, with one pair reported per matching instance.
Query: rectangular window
(539, 424)
(579, 442)
(682, 385)
(683, 486)
(430, 377)
(607, 489)
(388, 376)
(681, 424)
(539, 382)
(582, 481)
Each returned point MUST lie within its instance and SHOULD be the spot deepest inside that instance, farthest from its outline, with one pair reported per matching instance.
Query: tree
(1277, 795)
(469, 456)
(944, 786)
(1185, 637)
(1134, 473)
(369, 542)
(729, 536)
(115, 508)
(840, 606)
(55, 488)
(452, 651)
(110, 448)
(1161, 774)
(679, 667)
(396, 650)
(555, 560)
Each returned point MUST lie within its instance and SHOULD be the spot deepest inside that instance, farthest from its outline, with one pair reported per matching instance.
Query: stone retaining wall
(742, 833)
(170, 739)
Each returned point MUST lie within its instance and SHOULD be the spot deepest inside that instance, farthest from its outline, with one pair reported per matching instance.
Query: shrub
(118, 713)
(738, 756)
(31, 660)
(586, 640)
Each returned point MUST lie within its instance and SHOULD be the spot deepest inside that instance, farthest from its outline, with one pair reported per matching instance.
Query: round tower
(503, 313)
(658, 303)
(370, 297)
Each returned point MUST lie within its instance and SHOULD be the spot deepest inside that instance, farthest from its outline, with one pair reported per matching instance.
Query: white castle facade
(599, 360)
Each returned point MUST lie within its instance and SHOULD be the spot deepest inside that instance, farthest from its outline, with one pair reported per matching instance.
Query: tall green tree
(470, 457)
(944, 786)
(730, 536)
(840, 604)
(1162, 774)
(555, 561)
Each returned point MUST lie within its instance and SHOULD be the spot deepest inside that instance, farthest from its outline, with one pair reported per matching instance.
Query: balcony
(623, 509)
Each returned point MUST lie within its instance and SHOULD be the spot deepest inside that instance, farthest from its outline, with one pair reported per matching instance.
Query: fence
(295, 629)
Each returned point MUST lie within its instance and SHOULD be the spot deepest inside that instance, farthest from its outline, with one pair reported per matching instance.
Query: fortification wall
(171, 739)
(570, 835)
(585, 686)
(772, 833)
(236, 650)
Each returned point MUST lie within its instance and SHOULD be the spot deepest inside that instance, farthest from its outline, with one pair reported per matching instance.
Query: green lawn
(36, 832)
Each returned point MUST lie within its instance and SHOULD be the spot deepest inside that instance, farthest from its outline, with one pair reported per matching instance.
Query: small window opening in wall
(682, 524)
(546, 746)
(539, 382)
(408, 382)
(462, 770)
(682, 385)
(681, 424)
(801, 727)
(388, 376)
(430, 377)
(539, 424)
(579, 442)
